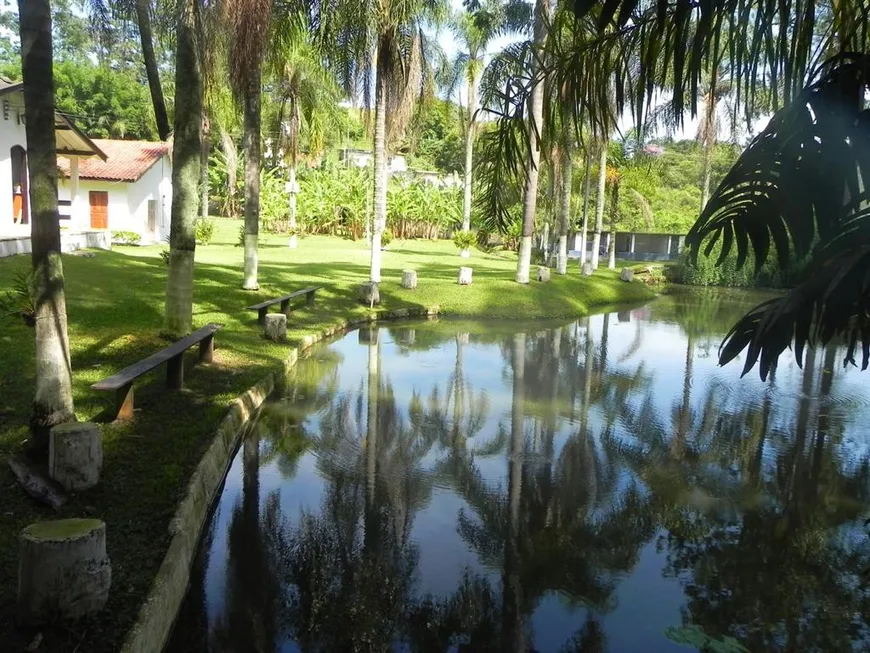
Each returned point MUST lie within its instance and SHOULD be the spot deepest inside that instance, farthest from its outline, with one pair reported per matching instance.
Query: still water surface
(598, 485)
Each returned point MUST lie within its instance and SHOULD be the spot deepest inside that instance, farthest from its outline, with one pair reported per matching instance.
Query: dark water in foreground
(598, 485)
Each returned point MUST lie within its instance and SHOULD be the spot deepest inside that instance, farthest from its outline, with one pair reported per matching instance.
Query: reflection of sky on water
(644, 602)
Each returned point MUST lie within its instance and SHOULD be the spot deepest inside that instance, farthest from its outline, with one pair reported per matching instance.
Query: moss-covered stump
(75, 455)
(63, 570)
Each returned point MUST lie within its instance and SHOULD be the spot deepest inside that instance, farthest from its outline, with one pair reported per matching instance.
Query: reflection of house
(363, 159)
(103, 184)
(636, 246)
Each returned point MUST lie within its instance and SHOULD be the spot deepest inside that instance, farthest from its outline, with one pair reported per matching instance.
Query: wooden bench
(122, 382)
(263, 307)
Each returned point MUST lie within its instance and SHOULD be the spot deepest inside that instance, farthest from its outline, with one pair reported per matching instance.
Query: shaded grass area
(115, 307)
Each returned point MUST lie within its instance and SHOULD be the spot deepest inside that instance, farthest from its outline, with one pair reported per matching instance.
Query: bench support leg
(175, 372)
(309, 299)
(284, 306)
(206, 350)
(124, 402)
(261, 315)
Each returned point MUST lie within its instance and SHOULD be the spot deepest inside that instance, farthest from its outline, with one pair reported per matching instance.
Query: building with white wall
(131, 190)
(103, 185)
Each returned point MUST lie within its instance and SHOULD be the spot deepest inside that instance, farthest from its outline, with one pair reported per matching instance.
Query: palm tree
(186, 165)
(380, 45)
(475, 28)
(248, 22)
(143, 9)
(799, 184)
(599, 205)
(53, 402)
(535, 124)
(308, 94)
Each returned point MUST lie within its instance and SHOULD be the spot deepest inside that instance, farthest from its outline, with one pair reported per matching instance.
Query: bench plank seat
(122, 382)
(263, 307)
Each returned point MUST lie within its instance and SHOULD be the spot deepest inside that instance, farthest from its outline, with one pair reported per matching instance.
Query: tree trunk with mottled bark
(564, 210)
(536, 120)
(599, 207)
(585, 230)
(53, 402)
(186, 166)
(251, 137)
(379, 201)
(469, 152)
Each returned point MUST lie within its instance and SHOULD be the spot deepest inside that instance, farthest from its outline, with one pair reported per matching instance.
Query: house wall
(119, 212)
(128, 202)
(11, 133)
(155, 184)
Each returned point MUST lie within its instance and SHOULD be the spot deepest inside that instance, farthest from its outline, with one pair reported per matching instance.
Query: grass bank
(115, 307)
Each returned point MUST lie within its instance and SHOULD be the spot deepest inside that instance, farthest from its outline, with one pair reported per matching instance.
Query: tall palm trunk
(379, 220)
(585, 229)
(564, 209)
(291, 170)
(536, 119)
(251, 138)
(53, 402)
(469, 151)
(614, 216)
(143, 20)
(599, 206)
(186, 164)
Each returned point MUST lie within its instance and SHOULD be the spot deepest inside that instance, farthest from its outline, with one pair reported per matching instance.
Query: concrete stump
(369, 294)
(75, 455)
(63, 570)
(409, 279)
(587, 270)
(465, 253)
(276, 327)
(543, 274)
(464, 277)
(627, 275)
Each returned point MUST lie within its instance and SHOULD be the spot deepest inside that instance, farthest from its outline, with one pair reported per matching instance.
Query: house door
(99, 200)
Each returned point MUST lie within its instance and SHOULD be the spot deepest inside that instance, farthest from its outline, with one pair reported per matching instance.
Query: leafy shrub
(386, 238)
(164, 255)
(19, 300)
(241, 240)
(126, 238)
(464, 239)
(204, 231)
(705, 272)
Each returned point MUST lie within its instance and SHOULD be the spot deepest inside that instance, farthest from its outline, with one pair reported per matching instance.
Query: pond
(595, 485)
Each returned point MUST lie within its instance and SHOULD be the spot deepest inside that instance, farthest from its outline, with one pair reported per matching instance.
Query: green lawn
(115, 305)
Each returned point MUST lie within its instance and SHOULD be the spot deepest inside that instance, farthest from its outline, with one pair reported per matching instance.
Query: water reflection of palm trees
(539, 532)
(756, 506)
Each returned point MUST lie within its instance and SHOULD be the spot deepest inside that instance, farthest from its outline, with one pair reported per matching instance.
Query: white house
(104, 185)
(131, 190)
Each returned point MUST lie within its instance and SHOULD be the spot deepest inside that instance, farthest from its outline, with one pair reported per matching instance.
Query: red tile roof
(125, 160)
